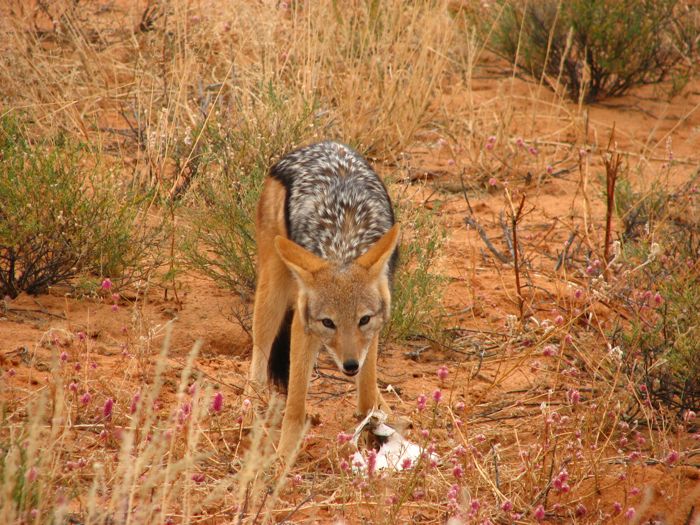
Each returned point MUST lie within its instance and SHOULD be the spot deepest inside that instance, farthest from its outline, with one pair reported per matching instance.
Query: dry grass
(538, 416)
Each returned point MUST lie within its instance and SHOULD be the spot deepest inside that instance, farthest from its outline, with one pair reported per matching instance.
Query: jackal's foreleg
(368, 395)
(303, 351)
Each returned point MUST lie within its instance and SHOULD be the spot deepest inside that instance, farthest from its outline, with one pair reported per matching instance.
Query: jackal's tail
(278, 364)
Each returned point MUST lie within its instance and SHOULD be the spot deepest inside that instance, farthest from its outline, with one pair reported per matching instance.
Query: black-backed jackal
(327, 246)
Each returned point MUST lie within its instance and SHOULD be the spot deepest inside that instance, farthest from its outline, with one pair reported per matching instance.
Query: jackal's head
(344, 306)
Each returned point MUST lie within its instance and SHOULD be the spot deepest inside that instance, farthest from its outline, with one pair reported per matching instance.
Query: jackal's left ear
(302, 263)
(377, 257)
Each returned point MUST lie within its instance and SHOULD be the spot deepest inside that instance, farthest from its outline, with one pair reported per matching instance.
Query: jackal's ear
(302, 263)
(376, 258)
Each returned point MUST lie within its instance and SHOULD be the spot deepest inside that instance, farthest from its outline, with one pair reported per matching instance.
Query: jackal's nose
(350, 367)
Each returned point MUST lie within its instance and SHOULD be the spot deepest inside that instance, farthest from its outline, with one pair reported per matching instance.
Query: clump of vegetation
(418, 287)
(597, 49)
(236, 156)
(60, 215)
(662, 340)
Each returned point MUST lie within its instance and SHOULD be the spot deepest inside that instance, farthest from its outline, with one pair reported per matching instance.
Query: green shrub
(236, 156)
(598, 48)
(417, 295)
(637, 211)
(661, 341)
(61, 215)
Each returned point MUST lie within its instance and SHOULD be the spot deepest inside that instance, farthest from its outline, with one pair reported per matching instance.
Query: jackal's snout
(351, 367)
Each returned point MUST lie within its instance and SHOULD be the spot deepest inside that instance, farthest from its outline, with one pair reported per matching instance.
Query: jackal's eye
(364, 320)
(328, 323)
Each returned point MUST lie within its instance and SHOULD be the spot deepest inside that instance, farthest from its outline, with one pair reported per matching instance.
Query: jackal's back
(335, 206)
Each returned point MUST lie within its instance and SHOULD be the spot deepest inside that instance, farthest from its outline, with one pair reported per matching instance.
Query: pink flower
(493, 181)
(198, 477)
(550, 169)
(574, 396)
(406, 463)
(533, 151)
(31, 475)
(520, 142)
(437, 395)
(538, 514)
(246, 404)
(581, 510)
(658, 299)
(107, 284)
(629, 514)
(64, 356)
(507, 506)
(218, 402)
(617, 508)
(73, 387)
(458, 471)
(371, 462)
(344, 466)
(135, 403)
(453, 492)
(107, 408)
(85, 398)
(549, 351)
(344, 438)
(420, 401)
(442, 372)
(635, 491)
(81, 336)
(672, 457)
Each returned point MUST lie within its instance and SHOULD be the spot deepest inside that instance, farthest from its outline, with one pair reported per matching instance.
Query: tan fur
(291, 276)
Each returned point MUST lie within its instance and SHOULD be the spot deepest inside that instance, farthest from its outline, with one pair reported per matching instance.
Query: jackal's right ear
(302, 263)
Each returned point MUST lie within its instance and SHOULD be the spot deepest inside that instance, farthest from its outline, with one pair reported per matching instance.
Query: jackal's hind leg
(271, 297)
(368, 395)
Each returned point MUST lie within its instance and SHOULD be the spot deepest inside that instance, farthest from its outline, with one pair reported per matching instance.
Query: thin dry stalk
(613, 162)
(515, 218)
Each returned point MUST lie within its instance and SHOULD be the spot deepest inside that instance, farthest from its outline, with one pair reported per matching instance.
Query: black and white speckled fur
(336, 206)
